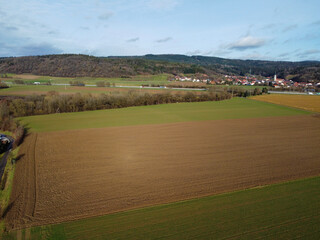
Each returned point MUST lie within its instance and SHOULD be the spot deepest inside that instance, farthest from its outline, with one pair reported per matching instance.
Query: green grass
(282, 211)
(158, 114)
(6, 192)
(22, 90)
(133, 81)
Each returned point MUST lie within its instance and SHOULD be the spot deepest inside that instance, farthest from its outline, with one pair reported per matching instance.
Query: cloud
(5, 27)
(11, 28)
(52, 32)
(268, 26)
(84, 28)
(308, 53)
(29, 50)
(284, 54)
(106, 16)
(133, 39)
(162, 4)
(256, 56)
(316, 23)
(290, 27)
(195, 52)
(221, 52)
(207, 53)
(163, 40)
(247, 42)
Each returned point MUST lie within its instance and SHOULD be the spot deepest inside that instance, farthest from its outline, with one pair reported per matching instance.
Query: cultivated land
(167, 113)
(144, 156)
(69, 175)
(306, 102)
(281, 211)
(135, 80)
(25, 90)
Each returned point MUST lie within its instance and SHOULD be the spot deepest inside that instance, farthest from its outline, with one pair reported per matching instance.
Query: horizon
(246, 30)
(164, 54)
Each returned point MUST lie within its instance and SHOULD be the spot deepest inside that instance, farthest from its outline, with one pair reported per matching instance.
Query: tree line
(8, 123)
(53, 102)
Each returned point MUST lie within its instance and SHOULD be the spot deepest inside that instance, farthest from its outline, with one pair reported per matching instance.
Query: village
(251, 80)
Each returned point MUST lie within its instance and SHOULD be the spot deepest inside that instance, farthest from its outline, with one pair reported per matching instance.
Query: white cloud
(256, 56)
(106, 16)
(163, 40)
(289, 28)
(308, 53)
(195, 52)
(162, 4)
(133, 39)
(247, 42)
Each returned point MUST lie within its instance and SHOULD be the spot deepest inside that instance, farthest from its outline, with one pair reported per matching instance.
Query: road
(290, 93)
(140, 87)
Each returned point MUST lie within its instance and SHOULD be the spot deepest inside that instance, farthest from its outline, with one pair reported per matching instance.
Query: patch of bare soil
(83, 173)
(27, 76)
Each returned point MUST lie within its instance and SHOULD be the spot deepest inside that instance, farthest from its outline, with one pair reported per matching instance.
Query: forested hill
(70, 65)
(299, 71)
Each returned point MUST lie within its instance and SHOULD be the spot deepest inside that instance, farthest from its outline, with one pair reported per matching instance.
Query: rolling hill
(71, 65)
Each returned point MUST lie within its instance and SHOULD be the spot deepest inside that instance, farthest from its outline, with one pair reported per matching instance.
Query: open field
(69, 175)
(160, 79)
(306, 102)
(24, 90)
(158, 114)
(280, 211)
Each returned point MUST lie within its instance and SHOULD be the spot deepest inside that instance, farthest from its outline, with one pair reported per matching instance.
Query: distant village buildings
(275, 82)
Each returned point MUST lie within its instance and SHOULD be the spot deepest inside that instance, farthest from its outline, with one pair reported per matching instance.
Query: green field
(160, 79)
(23, 90)
(158, 114)
(281, 211)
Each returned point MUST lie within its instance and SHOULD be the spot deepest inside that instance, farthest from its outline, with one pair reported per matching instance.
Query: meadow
(235, 108)
(25, 90)
(160, 79)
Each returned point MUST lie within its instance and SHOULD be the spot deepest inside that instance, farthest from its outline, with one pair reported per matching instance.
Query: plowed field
(74, 174)
(306, 102)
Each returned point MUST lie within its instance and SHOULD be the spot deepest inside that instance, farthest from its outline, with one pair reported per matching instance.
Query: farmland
(167, 113)
(132, 81)
(107, 169)
(187, 164)
(306, 102)
(279, 211)
(25, 90)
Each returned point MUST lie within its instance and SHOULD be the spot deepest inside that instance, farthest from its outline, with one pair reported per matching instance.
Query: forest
(71, 65)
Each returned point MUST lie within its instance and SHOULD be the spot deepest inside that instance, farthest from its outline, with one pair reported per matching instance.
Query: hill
(297, 71)
(70, 65)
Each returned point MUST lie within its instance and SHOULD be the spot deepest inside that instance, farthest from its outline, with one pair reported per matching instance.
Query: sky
(243, 29)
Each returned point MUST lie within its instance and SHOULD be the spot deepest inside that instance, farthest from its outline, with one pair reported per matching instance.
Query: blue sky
(245, 29)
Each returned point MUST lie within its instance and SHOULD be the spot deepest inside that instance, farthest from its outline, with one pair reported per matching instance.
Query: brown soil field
(306, 102)
(27, 76)
(74, 174)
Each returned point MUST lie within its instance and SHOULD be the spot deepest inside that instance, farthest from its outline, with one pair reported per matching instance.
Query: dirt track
(98, 171)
